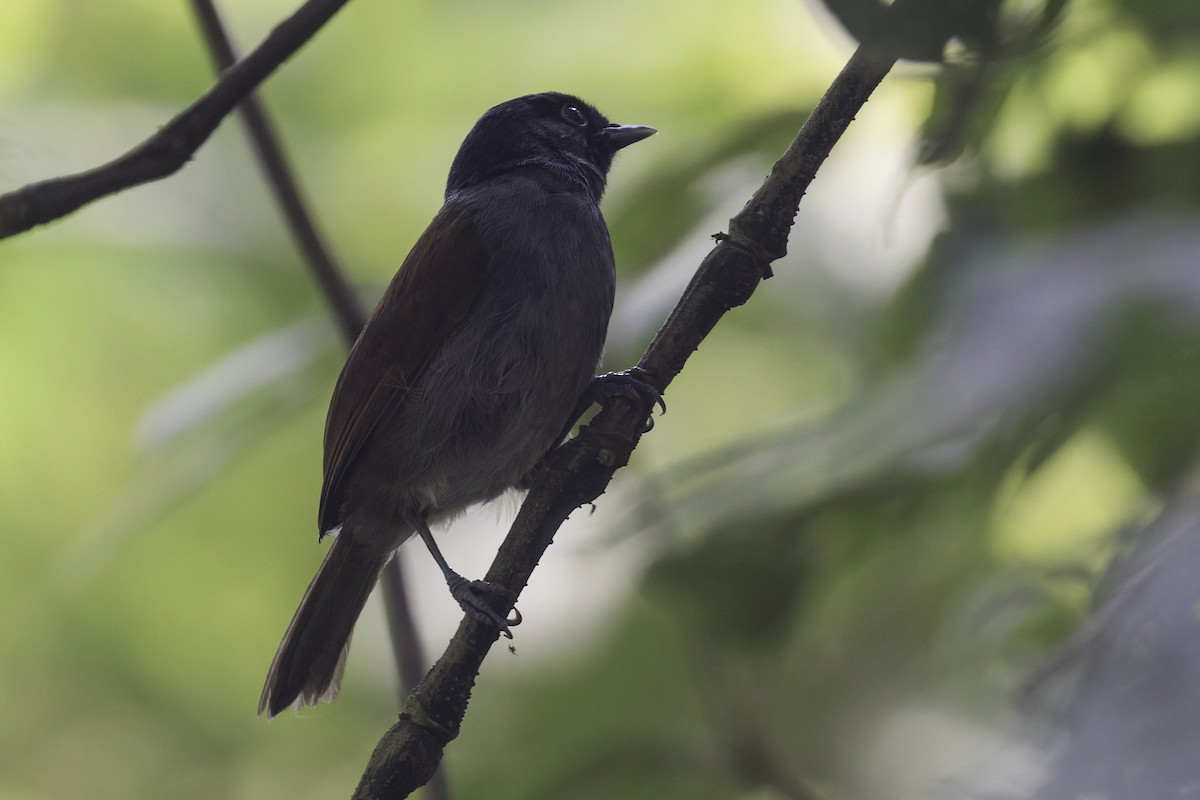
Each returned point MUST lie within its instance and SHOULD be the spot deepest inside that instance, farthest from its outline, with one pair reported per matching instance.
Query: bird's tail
(309, 662)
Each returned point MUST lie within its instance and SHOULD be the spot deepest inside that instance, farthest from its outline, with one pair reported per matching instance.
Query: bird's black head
(550, 131)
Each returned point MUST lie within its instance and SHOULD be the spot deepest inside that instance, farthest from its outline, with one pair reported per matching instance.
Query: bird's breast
(498, 392)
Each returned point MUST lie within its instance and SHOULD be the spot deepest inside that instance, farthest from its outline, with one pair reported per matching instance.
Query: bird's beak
(623, 135)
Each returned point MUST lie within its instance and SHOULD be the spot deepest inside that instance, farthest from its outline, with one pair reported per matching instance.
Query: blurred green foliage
(885, 488)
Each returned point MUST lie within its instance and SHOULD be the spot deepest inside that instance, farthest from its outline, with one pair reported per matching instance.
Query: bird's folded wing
(432, 292)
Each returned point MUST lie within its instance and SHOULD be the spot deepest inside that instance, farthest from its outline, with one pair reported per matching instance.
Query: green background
(886, 489)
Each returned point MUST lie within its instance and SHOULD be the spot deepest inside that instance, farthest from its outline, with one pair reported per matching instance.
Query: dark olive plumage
(468, 368)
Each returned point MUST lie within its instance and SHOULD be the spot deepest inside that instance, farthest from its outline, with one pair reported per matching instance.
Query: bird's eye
(574, 116)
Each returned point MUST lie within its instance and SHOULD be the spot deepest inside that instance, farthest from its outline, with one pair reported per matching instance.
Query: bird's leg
(470, 595)
(633, 384)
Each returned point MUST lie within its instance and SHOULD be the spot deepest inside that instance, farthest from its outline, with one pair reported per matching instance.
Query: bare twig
(347, 311)
(579, 471)
(172, 145)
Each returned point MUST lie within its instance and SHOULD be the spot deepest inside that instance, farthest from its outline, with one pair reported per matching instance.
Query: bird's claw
(632, 382)
(472, 598)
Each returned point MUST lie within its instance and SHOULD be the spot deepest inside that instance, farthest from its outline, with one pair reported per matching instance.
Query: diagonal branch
(579, 471)
(172, 145)
(347, 310)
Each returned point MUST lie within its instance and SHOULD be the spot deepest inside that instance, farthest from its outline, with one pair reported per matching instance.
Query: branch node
(752, 247)
(414, 713)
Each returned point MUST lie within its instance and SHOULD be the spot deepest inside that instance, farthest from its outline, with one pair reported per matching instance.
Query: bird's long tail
(309, 662)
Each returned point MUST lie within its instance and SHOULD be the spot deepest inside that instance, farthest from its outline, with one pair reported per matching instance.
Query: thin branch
(406, 642)
(347, 310)
(407, 651)
(172, 145)
(579, 471)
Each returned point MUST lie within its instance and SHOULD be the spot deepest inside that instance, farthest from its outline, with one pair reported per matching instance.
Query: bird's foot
(472, 597)
(634, 385)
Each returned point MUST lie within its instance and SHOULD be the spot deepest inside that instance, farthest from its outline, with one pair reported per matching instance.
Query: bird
(475, 363)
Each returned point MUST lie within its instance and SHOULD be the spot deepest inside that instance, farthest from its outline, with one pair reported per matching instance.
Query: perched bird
(469, 370)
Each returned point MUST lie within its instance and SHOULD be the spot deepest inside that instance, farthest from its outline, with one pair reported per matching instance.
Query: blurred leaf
(740, 584)
(269, 362)
(1170, 22)
(1103, 175)
(971, 86)
(918, 30)
(1125, 728)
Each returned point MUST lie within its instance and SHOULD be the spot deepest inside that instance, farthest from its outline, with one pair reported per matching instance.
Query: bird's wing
(432, 292)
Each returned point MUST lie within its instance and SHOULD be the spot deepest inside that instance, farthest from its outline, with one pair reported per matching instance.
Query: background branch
(347, 311)
(579, 471)
(173, 144)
